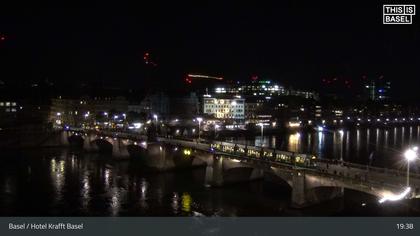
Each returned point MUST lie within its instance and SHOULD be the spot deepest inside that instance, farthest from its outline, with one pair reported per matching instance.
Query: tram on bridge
(270, 154)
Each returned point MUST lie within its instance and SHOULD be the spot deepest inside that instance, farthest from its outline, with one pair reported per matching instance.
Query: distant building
(224, 108)
(258, 110)
(377, 89)
(184, 106)
(137, 108)
(263, 88)
(168, 106)
(155, 104)
(75, 112)
(8, 112)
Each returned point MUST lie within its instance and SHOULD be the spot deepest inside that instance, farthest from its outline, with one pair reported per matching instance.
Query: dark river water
(68, 182)
(375, 146)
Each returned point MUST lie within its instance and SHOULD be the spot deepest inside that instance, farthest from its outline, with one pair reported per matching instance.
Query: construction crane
(190, 77)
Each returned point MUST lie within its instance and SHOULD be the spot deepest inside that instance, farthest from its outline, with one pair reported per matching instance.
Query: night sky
(296, 44)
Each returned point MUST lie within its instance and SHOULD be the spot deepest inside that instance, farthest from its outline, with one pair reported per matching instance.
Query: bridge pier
(222, 170)
(64, 138)
(305, 193)
(214, 172)
(298, 190)
(119, 149)
(307, 189)
(157, 157)
(88, 144)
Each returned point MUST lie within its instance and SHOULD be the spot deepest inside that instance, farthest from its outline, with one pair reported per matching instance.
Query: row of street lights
(199, 120)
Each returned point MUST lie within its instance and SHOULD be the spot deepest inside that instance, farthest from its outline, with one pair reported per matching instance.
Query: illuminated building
(263, 88)
(224, 108)
(8, 111)
(258, 110)
(377, 89)
(75, 112)
(7, 106)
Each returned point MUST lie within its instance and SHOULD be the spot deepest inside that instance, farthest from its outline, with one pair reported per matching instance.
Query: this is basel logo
(399, 14)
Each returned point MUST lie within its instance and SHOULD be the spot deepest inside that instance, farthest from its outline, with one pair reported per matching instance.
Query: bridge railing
(317, 160)
(250, 151)
(351, 180)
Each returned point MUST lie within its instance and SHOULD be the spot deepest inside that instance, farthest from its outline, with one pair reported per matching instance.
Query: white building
(222, 108)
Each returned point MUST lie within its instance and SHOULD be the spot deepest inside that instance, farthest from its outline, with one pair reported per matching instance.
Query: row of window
(223, 101)
(7, 104)
(224, 111)
(237, 116)
(223, 106)
(10, 110)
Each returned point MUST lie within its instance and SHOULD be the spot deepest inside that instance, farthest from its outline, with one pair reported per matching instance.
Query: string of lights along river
(70, 182)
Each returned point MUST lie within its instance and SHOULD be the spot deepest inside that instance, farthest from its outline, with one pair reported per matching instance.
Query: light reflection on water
(58, 176)
(66, 183)
(356, 145)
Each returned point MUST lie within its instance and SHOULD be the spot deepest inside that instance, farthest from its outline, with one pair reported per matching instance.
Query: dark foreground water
(67, 182)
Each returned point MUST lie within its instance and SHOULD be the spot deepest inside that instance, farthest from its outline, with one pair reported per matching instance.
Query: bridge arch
(104, 145)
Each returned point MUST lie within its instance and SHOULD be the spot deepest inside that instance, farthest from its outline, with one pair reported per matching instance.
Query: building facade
(263, 88)
(76, 112)
(377, 89)
(224, 108)
(8, 112)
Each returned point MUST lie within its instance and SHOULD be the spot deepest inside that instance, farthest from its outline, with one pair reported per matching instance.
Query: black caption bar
(186, 226)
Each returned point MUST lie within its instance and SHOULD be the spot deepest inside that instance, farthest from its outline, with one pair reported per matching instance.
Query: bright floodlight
(341, 132)
(155, 116)
(199, 119)
(410, 155)
(415, 148)
(395, 197)
(320, 128)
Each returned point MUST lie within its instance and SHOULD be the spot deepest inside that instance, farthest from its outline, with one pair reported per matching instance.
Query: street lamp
(199, 119)
(262, 129)
(216, 126)
(156, 118)
(410, 155)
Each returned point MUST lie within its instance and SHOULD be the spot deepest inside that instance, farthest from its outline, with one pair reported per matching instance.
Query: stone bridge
(311, 180)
